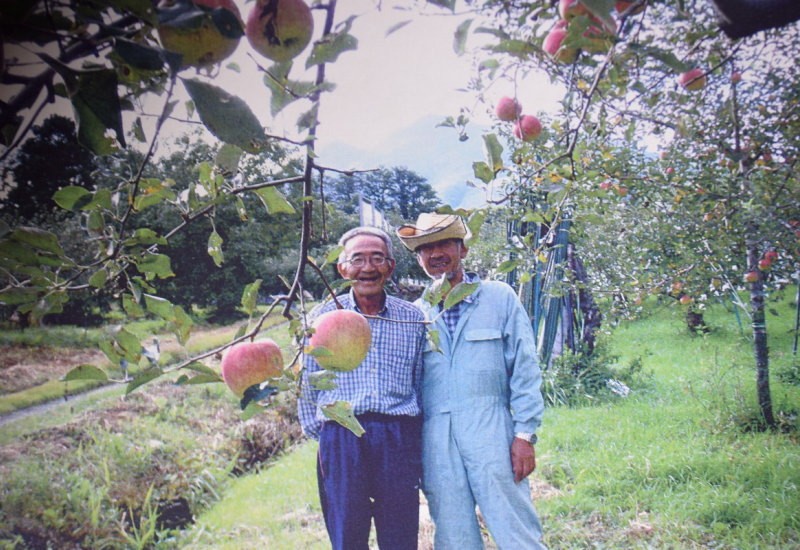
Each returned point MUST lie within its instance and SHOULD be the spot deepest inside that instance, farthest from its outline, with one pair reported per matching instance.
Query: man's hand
(523, 459)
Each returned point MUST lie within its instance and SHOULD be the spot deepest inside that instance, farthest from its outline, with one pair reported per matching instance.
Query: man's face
(443, 258)
(363, 252)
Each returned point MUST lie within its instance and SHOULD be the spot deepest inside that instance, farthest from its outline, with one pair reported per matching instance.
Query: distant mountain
(434, 153)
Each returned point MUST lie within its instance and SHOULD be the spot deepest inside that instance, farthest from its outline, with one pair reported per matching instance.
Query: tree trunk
(760, 350)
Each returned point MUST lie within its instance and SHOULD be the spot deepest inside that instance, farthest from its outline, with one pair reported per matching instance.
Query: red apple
(621, 190)
(554, 44)
(736, 77)
(605, 186)
(347, 337)
(279, 29)
(751, 276)
(686, 299)
(764, 264)
(507, 109)
(249, 363)
(692, 80)
(202, 41)
(770, 255)
(527, 128)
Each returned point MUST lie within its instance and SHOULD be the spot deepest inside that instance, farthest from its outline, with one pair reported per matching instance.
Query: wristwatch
(530, 438)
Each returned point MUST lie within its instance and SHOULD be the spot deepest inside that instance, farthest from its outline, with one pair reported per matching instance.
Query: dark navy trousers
(375, 476)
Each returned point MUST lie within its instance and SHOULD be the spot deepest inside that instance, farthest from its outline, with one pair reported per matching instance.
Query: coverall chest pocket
(484, 349)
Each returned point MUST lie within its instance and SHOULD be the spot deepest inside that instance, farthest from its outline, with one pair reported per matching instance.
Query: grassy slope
(664, 468)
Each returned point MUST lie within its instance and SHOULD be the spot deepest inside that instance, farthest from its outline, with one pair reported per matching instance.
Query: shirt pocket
(483, 350)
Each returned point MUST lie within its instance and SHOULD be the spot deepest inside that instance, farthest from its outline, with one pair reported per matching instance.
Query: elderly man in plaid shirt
(375, 476)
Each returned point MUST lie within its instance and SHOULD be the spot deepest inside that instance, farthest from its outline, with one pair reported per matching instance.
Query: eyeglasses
(376, 260)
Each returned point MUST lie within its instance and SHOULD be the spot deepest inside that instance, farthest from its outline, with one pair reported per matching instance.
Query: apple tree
(111, 61)
(672, 153)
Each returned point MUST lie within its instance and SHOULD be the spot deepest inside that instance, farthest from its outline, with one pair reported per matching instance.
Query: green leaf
(98, 278)
(85, 372)
(38, 239)
(181, 324)
(273, 201)
(251, 410)
(333, 254)
(493, 151)
(131, 307)
(94, 97)
(198, 379)
(14, 296)
(155, 265)
(228, 158)
(342, 412)
(322, 380)
(482, 171)
(447, 4)
(159, 306)
(226, 116)
(153, 191)
(143, 378)
(138, 55)
(507, 266)
(459, 292)
(129, 345)
(215, 248)
(145, 236)
(318, 351)
(432, 336)
(460, 37)
(72, 197)
(203, 369)
(250, 296)
(475, 222)
(328, 49)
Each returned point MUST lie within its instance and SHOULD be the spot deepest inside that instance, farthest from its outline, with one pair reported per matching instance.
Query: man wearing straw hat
(481, 397)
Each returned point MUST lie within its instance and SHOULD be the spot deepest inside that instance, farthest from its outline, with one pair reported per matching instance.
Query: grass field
(676, 464)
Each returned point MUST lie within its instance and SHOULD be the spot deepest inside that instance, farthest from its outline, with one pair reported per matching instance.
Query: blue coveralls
(481, 388)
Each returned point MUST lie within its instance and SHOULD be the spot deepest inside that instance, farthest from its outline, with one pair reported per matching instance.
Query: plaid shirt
(389, 378)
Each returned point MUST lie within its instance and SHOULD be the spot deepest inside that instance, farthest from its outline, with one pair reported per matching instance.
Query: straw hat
(430, 228)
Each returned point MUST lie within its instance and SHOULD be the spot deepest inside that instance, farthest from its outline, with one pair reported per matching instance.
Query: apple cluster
(597, 35)
(526, 127)
(206, 32)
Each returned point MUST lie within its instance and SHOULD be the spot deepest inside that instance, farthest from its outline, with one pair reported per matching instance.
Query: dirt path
(23, 367)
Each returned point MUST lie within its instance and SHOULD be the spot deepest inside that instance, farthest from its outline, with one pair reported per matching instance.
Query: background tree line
(253, 243)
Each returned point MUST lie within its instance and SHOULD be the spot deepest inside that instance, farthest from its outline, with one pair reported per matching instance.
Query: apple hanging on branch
(527, 128)
(202, 32)
(340, 341)
(249, 364)
(279, 29)
(507, 109)
(692, 80)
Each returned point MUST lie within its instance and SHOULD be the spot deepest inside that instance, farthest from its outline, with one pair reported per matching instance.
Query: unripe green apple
(203, 32)
(345, 334)
(249, 363)
(279, 29)
(527, 128)
(692, 80)
(507, 109)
